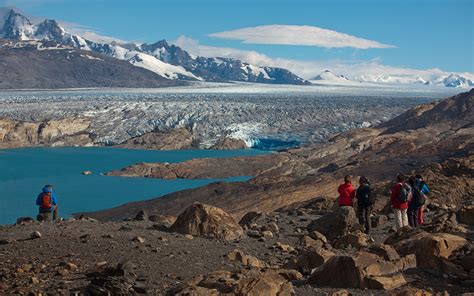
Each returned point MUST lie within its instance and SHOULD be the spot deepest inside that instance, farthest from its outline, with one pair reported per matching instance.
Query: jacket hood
(47, 189)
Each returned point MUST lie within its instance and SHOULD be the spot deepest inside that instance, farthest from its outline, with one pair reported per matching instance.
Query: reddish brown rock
(244, 282)
(204, 220)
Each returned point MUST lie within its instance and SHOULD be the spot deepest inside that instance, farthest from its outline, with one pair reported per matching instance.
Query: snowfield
(245, 111)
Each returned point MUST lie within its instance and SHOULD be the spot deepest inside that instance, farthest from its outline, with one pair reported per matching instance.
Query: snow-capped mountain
(168, 61)
(329, 76)
(442, 79)
(456, 80)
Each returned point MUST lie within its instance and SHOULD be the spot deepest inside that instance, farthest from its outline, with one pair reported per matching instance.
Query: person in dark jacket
(423, 186)
(414, 203)
(346, 192)
(364, 196)
(48, 203)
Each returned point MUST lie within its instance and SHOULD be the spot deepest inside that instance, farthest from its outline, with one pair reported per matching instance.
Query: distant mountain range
(44, 55)
(448, 80)
(167, 61)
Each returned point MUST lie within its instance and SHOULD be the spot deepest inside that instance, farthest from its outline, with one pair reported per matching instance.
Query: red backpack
(46, 201)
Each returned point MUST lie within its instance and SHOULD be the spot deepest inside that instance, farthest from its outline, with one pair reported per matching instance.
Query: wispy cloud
(298, 35)
(353, 69)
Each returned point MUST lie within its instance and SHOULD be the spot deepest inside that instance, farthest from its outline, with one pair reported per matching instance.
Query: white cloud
(88, 33)
(352, 69)
(298, 35)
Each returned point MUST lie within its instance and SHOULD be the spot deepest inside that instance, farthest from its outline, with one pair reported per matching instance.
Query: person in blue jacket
(47, 203)
(423, 186)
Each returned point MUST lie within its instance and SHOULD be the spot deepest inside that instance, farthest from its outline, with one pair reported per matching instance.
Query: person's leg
(55, 213)
(360, 214)
(404, 217)
(410, 217)
(368, 223)
(397, 218)
(415, 217)
(420, 215)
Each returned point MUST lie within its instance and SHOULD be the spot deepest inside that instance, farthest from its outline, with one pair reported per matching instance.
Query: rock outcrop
(334, 224)
(229, 143)
(64, 132)
(204, 220)
(244, 282)
(173, 139)
(363, 270)
(202, 168)
(432, 250)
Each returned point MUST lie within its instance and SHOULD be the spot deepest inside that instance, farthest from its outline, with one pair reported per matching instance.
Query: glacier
(264, 116)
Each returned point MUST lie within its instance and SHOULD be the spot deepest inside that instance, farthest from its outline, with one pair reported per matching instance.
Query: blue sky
(424, 34)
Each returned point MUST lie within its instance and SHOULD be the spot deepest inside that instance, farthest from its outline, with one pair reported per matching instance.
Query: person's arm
(425, 189)
(394, 194)
(54, 201)
(353, 193)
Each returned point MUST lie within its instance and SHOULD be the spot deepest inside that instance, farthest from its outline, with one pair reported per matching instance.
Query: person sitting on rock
(415, 203)
(423, 186)
(346, 192)
(47, 203)
(401, 194)
(365, 200)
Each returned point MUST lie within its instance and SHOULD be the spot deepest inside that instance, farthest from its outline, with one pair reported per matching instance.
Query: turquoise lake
(23, 172)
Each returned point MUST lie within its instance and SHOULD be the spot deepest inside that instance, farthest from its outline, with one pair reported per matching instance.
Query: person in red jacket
(346, 192)
(399, 206)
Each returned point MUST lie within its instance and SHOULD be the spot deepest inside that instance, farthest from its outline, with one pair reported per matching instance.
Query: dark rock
(24, 220)
(141, 216)
(334, 224)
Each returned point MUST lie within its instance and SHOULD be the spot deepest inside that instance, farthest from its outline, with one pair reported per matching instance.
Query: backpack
(46, 203)
(404, 195)
(366, 196)
(419, 197)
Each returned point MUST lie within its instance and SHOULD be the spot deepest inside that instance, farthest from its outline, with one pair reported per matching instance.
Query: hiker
(365, 200)
(423, 186)
(346, 192)
(401, 194)
(416, 202)
(47, 203)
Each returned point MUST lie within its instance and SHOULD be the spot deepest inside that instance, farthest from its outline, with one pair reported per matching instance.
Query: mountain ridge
(170, 62)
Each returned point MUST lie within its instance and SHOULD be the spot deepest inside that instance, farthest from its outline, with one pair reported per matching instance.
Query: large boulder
(387, 252)
(432, 250)
(251, 282)
(357, 240)
(205, 220)
(361, 270)
(309, 258)
(334, 224)
(466, 215)
(245, 259)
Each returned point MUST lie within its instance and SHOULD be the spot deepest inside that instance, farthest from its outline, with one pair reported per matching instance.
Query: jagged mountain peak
(16, 26)
(50, 30)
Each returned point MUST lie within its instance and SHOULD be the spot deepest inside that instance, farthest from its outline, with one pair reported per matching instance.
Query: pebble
(34, 280)
(100, 264)
(188, 236)
(35, 235)
(139, 239)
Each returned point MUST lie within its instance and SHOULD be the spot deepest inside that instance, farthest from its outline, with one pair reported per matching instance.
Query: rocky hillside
(438, 134)
(34, 64)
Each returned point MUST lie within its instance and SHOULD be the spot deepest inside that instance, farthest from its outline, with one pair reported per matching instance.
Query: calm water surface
(24, 171)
